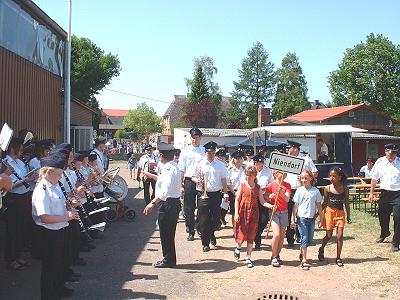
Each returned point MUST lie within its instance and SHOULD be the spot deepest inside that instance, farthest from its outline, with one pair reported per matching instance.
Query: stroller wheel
(110, 215)
(130, 215)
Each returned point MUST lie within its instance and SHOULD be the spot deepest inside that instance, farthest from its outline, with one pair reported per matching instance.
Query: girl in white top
(307, 201)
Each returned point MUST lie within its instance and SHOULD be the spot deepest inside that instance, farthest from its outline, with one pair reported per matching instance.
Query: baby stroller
(116, 190)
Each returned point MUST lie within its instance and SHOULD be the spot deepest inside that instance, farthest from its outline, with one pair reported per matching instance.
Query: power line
(137, 96)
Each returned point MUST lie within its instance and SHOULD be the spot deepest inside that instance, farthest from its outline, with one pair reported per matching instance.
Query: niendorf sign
(286, 163)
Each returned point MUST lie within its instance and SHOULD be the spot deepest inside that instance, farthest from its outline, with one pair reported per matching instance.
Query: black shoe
(223, 221)
(190, 237)
(381, 239)
(213, 241)
(163, 264)
(72, 278)
(257, 247)
(206, 248)
(65, 292)
(395, 248)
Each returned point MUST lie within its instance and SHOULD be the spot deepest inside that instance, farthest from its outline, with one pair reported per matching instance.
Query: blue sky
(156, 41)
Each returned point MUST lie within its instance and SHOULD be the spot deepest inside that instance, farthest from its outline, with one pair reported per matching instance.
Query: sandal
(339, 262)
(321, 256)
(15, 266)
(305, 266)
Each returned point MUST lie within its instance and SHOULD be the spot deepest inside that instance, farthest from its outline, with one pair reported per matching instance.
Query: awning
(259, 143)
(308, 129)
(369, 136)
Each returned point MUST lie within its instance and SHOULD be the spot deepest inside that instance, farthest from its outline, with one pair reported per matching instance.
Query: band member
(387, 171)
(294, 181)
(248, 159)
(177, 154)
(100, 146)
(15, 201)
(167, 195)
(221, 154)
(235, 177)
(148, 163)
(264, 177)
(189, 159)
(50, 214)
(210, 177)
(5, 186)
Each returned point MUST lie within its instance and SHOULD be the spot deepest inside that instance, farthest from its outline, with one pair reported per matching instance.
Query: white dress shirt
(21, 170)
(72, 179)
(388, 174)
(235, 176)
(148, 163)
(264, 177)
(189, 159)
(98, 188)
(48, 199)
(213, 172)
(367, 172)
(168, 183)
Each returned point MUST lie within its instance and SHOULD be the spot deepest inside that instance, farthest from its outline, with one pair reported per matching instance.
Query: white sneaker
(249, 262)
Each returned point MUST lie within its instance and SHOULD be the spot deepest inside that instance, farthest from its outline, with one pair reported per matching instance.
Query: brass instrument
(203, 186)
(106, 178)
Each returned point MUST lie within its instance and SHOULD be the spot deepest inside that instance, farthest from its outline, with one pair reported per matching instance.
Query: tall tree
(91, 71)
(255, 87)
(201, 109)
(369, 73)
(143, 121)
(291, 88)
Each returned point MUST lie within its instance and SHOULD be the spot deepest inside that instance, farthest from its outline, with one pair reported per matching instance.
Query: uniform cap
(293, 144)
(237, 154)
(148, 147)
(64, 146)
(221, 152)
(210, 146)
(45, 144)
(164, 147)
(195, 131)
(53, 161)
(258, 158)
(392, 148)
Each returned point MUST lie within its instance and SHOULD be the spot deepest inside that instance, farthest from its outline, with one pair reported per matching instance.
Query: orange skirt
(333, 218)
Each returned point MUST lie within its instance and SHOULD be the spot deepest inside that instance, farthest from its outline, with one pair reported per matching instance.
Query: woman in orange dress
(246, 212)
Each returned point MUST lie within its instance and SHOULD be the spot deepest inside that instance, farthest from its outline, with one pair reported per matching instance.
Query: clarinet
(22, 181)
(81, 209)
(83, 182)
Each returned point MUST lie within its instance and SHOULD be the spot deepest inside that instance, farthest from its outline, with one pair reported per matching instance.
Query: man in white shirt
(100, 146)
(367, 169)
(294, 181)
(387, 172)
(167, 194)
(148, 163)
(323, 152)
(188, 161)
(211, 177)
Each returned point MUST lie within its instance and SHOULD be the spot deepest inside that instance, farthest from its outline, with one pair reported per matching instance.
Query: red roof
(319, 115)
(115, 112)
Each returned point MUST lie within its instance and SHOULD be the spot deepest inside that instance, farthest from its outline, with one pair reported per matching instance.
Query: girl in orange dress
(336, 198)
(246, 212)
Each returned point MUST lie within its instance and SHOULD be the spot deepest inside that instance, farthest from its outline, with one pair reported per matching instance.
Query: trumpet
(203, 187)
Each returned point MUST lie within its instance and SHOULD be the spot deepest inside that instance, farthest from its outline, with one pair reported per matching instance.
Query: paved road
(121, 268)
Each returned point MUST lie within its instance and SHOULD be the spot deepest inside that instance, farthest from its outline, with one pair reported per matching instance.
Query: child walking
(279, 192)
(246, 212)
(336, 197)
(307, 201)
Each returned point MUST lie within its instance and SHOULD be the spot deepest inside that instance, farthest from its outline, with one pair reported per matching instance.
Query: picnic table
(359, 193)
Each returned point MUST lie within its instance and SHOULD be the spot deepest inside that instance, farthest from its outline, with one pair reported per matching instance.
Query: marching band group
(257, 196)
(53, 204)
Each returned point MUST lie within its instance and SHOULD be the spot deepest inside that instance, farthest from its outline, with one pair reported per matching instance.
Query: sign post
(286, 164)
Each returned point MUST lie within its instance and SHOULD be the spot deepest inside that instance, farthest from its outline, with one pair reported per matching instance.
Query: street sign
(285, 163)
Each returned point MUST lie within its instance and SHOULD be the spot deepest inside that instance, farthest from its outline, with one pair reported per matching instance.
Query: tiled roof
(115, 112)
(222, 132)
(318, 115)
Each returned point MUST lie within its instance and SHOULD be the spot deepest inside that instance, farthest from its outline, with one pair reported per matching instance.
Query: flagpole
(68, 78)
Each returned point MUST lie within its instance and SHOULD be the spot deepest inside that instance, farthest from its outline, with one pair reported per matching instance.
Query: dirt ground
(121, 266)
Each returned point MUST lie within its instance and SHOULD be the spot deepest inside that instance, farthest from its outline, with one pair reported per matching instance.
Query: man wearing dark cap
(167, 196)
(293, 149)
(248, 159)
(387, 172)
(210, 177)
(148, 163)
(264, 177)
(188, 161)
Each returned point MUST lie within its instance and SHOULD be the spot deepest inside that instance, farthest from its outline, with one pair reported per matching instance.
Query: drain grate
(278, 297)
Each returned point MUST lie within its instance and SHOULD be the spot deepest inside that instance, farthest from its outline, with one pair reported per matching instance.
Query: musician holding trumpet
(211, 178)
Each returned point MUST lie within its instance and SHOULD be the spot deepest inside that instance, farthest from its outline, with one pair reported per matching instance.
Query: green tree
(255, 87)
(369, 73)
(91, 71)
(121, 134)
(291, 88)
(143, 121)
(234, 117)
(198, 89)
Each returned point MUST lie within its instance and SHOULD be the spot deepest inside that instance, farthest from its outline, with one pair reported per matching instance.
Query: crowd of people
(257, 196)
(53, 205)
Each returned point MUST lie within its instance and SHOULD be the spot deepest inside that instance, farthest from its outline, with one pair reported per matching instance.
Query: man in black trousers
(167, 196)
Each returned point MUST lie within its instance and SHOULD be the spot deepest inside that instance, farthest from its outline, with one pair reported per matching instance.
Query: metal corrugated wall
(30, 97)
